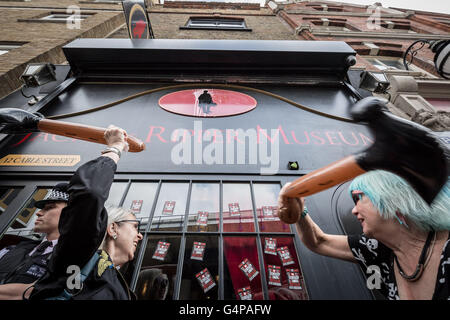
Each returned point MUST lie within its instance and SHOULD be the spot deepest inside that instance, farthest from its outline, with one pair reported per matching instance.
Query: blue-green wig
(390, 193)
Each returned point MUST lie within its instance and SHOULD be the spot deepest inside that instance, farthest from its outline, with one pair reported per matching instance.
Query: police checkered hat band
(58, 193)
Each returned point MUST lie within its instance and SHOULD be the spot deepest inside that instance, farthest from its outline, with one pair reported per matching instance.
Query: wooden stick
(324, 178)
(84, 132)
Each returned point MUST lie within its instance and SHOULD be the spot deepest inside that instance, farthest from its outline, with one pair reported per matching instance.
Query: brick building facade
(30, 38)
(381, 36)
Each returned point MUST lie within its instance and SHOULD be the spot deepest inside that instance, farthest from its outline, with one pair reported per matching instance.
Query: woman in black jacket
(84, 228)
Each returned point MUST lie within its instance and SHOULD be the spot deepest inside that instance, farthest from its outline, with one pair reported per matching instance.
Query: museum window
(64, 17)
(5, 47)
(324, 7)
(24, 221)
(394, 65)
(216, 23)
(401, 27)
(7, 195)
(330, 24)
(386, 63)
(330, 28)
(57, 17)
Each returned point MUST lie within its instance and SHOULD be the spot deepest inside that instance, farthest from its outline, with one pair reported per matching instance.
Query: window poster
(161, 250)
(249, 270)
(293, 276)
(245, 293)
(198, 250)
(268, 213)
(285, 256)
(274, 275)
(205, 279)
(136, 206)
(234, 209)
(202, 218)
(270, 246)
(169, 206)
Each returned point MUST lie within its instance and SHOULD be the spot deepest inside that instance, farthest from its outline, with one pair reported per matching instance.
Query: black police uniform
(82, 226)
(17, 266)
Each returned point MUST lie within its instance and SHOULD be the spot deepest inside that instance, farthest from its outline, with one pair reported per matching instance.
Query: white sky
(442, 6)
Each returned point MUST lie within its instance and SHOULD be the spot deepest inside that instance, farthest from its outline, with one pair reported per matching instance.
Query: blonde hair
(115, 214)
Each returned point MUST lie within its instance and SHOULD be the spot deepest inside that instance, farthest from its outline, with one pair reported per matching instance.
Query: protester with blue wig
(403, 237)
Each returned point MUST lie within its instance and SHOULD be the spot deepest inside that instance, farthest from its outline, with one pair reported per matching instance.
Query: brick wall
(86, 4)
(422, 23)
(166, 25)
(210, 5)
(43, 40)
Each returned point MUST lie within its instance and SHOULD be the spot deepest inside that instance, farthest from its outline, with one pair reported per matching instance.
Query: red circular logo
(207, 102)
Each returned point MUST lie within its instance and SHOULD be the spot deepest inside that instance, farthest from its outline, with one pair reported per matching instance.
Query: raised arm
(311, 235)
(82, 224)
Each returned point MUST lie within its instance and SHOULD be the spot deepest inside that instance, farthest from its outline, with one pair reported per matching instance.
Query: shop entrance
(204, 238)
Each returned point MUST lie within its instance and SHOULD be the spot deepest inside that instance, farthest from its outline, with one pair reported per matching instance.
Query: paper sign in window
(136, 206)
(270, 246)
(249, 270)
(161, 250)
(274, 275)
(198, 250)
(169, 206)
(205, 279)
(293, 276)
(268, 213)
(285, 256)
(245, 293)
(202, 218)
(234, 209)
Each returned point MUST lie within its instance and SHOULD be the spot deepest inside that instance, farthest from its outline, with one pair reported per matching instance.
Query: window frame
(215, 24)
(31, 185)
(52, 17)
(47, 17)
(6, 48)
(184, 233)
(414, 70)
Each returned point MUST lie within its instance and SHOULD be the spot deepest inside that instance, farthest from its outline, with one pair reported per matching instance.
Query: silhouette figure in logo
(138, 28)
(205, 102)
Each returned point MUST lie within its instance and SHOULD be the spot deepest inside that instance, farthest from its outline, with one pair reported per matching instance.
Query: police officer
(84, 225)
(26, 262)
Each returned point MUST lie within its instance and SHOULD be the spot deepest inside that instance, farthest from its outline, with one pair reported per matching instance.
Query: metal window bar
(221, 292)
(262, 270)
(177, 286)
(141, 252)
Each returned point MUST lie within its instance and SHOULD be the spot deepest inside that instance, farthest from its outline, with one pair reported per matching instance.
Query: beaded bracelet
(304, 212)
